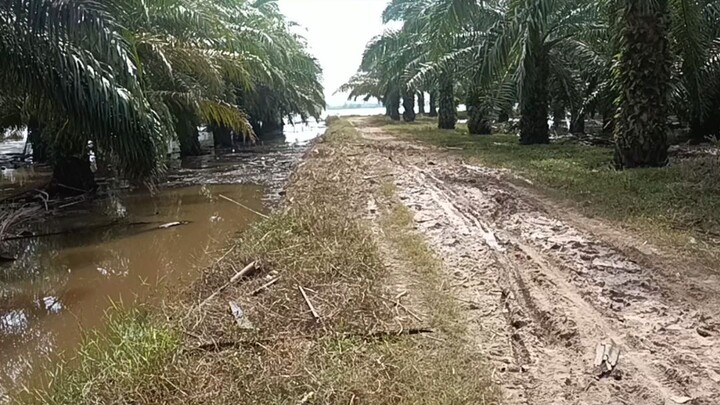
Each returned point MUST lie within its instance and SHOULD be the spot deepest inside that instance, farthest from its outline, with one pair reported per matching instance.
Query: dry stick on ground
(242, 273)
(309, 304)
(260, 214)
(265, 286)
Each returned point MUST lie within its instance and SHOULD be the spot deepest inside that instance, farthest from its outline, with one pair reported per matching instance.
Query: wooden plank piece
(614, 355)
(599, 354)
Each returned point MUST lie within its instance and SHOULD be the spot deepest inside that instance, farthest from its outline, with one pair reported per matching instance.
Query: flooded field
(120, 250)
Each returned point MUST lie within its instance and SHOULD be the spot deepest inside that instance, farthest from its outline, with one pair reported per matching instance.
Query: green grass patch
(115, 363)
(680, 200)
(455, 364)
(397, 224)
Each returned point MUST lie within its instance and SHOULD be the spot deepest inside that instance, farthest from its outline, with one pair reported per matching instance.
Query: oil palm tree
(134, 74)
(527, 48)
(291, 86)
(201, 57)
(445, 32)
(643, 79)
(81, 79)
(382, 73)
(441, 18)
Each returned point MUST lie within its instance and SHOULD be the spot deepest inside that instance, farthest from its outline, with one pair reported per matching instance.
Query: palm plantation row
(637, 63)
(133, 75)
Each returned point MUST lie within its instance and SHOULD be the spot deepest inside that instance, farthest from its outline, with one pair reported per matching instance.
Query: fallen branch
(217, 346)
(260, 214)
(173, 224)
(93, 228)
(45, 197)
(383, 334)
(70, 204)
(79, 190)
(242, 273)
(309, 304)
(265, 286)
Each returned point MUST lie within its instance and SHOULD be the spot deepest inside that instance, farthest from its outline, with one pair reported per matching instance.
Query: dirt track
(542, 287)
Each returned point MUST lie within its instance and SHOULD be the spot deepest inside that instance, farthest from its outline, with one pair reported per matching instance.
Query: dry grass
(397, 224)
(359, 352)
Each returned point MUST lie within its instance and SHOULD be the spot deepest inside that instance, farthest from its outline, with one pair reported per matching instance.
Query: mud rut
(539, 294)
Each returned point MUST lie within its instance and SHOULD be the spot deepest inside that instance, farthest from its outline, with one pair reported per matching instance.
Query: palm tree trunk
(477, 120)
(707, 126)
(577, 123)
(40, 147)
(643, 78)
(222, 137)
(188, 137)
(421, 102)
(448, 113)
(408, 106)
(534, 100)
(73, 173)
(558, 115)
(697, 131)
(394, 105)
(273, 126)
(503, 116)
(433, 104)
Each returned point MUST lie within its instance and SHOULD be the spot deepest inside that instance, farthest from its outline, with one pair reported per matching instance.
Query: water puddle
(62, 285)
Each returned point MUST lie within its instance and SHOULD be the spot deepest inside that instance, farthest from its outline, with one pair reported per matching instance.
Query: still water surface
(63, 285)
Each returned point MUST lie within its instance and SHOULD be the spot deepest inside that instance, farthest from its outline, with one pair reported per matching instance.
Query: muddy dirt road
(542, 287)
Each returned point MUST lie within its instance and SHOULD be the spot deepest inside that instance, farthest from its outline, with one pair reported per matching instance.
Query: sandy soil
(541, 287)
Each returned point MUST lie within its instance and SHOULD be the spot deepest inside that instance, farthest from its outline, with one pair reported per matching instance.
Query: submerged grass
(359, 350)
(678, 204)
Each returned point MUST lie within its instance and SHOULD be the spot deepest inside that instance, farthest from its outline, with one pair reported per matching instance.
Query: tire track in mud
(540, 295)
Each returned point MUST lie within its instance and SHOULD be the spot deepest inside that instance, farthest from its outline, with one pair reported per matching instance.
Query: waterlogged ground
(117, 251)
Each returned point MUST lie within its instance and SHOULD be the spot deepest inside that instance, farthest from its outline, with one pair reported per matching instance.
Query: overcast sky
(337, 31)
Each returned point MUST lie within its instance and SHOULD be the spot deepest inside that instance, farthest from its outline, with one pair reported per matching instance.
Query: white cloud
(337, 32)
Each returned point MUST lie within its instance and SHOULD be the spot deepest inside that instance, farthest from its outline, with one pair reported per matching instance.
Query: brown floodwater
(60, 287)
